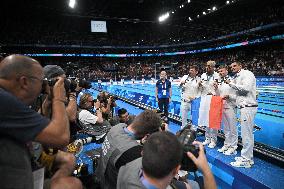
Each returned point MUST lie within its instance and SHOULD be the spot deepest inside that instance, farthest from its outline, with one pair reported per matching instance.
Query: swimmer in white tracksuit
(245, 86)
(189, 85)
(229, 116)
(207, 88)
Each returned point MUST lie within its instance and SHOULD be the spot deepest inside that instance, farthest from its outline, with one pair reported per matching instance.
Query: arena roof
(121, 10)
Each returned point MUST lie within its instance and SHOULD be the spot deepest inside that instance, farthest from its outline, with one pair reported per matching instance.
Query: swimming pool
(270, 116)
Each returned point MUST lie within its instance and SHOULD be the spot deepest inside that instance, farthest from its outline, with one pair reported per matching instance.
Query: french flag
(207, 111)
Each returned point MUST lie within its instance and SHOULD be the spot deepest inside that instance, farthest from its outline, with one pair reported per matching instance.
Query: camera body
(186, 137)
(70, 85)
(51, 83)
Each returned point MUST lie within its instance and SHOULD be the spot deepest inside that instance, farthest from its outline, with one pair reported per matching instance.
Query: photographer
(107, 104)
(92, 123)
(160, 162)
(123, 144)
(21, 80)
(51, 72)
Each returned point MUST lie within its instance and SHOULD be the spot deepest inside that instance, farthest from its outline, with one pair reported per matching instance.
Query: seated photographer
(107, 104)
(122, 117)
(92, 123)
(21, 80)
(123, 144)
(160, 163)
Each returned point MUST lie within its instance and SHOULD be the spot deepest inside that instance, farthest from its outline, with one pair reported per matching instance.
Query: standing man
(189, 91)
(163, 93)
(229, 112)
(207, 88)
(245, 86)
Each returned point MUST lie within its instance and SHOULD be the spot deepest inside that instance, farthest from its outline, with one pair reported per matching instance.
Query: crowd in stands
(76, 31)
(262, 62)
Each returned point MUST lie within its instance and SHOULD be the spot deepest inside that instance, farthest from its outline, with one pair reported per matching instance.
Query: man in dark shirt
(21, 79)
(123, 144)
(163, 93)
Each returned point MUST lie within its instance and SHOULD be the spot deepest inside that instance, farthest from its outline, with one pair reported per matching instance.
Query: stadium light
(72, 3)
(164, 17)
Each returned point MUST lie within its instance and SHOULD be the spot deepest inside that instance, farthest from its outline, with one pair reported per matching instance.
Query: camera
(51, 83)
(103, 98)
(186, 137)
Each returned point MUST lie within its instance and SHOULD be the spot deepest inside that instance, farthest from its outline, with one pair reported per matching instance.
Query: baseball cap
(51, 71)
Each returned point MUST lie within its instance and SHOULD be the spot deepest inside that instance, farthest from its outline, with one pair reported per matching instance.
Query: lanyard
(164, 85)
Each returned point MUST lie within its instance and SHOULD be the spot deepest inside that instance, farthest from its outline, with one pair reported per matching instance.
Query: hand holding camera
(200, 161)
(97, 104)
(59, 90)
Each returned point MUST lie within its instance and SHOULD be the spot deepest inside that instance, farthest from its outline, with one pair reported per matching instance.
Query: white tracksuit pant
(185, 108)
(211, 134)
(230, 129)
(247, 124)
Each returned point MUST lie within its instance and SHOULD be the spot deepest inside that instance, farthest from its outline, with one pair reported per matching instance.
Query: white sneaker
(207, 141)
(224, 148)
(212, 145)
(230, 151)
(245, 164)
(244, 159)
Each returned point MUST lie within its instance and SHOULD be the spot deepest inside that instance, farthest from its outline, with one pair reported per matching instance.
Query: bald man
(21, 80)
(207, 88)
(163, 93)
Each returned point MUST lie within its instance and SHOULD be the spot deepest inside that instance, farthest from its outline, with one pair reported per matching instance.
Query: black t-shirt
(17, 120)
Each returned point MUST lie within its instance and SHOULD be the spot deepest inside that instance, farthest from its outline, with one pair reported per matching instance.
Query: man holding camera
(21, 81)
(92, 123)
(229, 116)
(163, 93)
(51, 72)
(244, 84)
(207, 88)
(189, 91)
(160, 163)
(123, 144)
(107, 104)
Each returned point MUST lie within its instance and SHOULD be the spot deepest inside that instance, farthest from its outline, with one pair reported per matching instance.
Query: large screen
(98, 26)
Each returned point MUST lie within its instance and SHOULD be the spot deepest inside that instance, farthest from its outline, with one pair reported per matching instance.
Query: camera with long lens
(186, 137)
